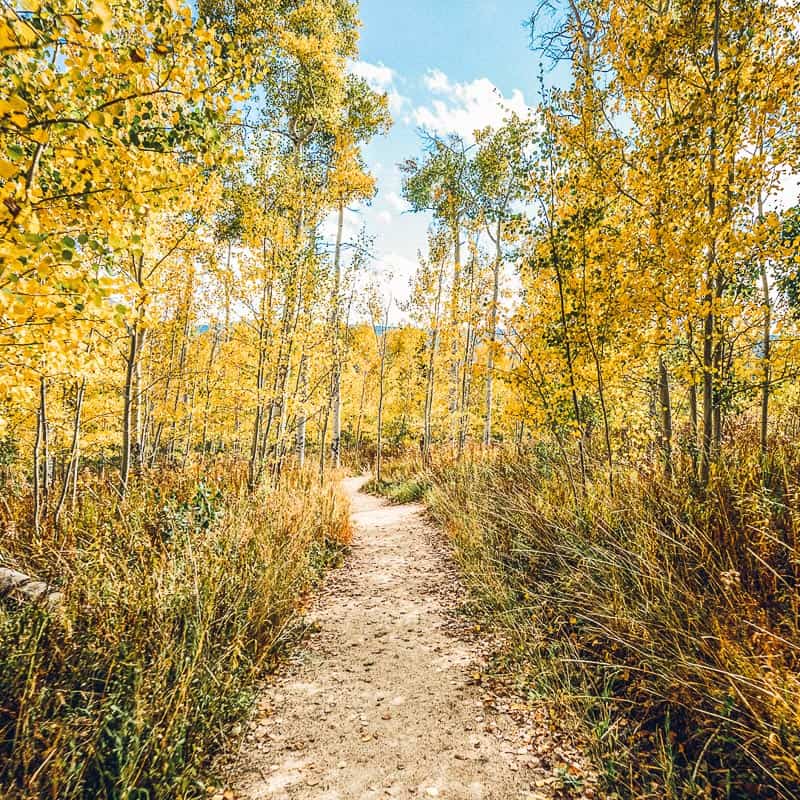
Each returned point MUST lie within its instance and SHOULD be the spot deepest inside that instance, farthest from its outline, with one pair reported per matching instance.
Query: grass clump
(666, 618)
(174, 605)
(404, 480)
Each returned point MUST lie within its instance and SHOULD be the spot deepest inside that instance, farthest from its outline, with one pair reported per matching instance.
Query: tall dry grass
(175, 602)
(666, 617)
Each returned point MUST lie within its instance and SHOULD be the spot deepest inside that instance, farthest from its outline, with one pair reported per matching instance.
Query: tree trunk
(379, 455)
(455, 301)
(665, 402)
(336, 383)
(468, 362)
(289, 321)
(187, 452)
(361, 415)
(766, 347)
(709, 322)
(207, 405)
(323, 439)
(253, 466)
(556, 263)
(302, 421)
(127, 409)
(159, 429)
(37, 489)
(180, 389)
(596, 357)
(427, 433)
(570, 363)
(138, 433)
(72, 464)
(46, 465)
(493, 318)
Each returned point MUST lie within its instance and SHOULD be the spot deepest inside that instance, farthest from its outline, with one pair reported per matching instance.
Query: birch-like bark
(138, 432)
(302, 420)
(70, 475)
(336, 381)
(46, 465)
(455, 367)
(253, 466)
(493, 320)
(427, 435)
(709, 321)
(379, 455)
(208, 390)
(468, 363)
(37, 489)
(665, 402)
(766, 347)
(127, 407)
(361, 415)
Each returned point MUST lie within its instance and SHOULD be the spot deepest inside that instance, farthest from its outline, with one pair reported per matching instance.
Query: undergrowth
(666, 618)
(404, 481)
(175, 601)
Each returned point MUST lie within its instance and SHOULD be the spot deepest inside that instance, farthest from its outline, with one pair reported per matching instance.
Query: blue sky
(450, 67)
(447, 66)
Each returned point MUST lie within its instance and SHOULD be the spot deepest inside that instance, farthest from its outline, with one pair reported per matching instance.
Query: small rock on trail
(381, 700)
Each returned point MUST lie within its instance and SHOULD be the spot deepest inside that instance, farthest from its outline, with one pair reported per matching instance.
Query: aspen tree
(439, 183)
(501, 166)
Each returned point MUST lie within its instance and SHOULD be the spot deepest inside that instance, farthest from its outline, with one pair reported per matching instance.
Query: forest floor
(387, 696)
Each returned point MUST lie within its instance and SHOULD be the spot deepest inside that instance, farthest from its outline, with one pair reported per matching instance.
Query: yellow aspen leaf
(98, 119)
(103, 17)
(7, 38)
(8, 169)
(72, 23)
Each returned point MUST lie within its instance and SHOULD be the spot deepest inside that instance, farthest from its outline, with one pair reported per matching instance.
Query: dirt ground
(384, 698)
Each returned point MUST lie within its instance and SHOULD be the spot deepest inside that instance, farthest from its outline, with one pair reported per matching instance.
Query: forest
(591, 391)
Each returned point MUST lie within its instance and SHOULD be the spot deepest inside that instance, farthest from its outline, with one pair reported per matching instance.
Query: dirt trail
(381, 700)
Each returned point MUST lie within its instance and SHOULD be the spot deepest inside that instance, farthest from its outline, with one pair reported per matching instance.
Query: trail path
(381, 701)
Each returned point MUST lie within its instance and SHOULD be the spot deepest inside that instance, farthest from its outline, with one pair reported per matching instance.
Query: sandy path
(379, 701)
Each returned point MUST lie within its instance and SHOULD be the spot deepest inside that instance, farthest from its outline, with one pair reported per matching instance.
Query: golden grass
(667, 619)
(174, 604)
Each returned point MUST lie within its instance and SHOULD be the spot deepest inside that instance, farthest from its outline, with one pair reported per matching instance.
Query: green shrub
(404, 480)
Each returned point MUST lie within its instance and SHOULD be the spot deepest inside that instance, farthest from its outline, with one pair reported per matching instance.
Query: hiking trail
(384, 697)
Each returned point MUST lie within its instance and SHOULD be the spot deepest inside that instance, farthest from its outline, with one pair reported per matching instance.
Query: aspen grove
(592, 386)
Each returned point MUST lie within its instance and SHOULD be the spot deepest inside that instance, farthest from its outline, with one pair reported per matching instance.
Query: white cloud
(397, 102)
(353, 222)
(396, 203)
(395, 264)
(463, 108)
(378, 76)
(437, 82)
(788, 193)
(384, 217)
(394, 274)
(381, 79)
(402, 270)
